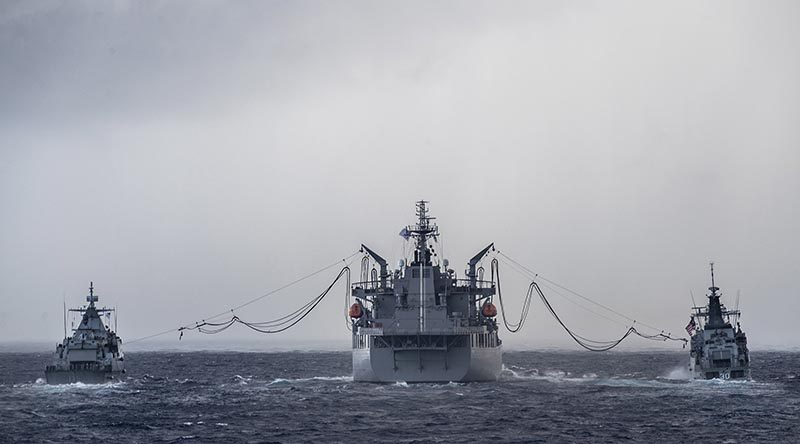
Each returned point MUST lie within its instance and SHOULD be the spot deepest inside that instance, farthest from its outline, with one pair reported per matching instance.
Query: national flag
(691, 326)
(405, 233)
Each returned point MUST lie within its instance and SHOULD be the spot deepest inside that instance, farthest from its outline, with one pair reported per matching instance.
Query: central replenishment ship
(93, 354)
(718, 349)
(420, 322)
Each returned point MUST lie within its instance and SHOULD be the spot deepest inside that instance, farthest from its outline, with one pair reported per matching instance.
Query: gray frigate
(420, 322)
(93, 354)
(718, 349)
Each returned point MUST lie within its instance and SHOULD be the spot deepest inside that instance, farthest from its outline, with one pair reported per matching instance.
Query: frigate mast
(420, 232)
(714, 309)
(91, 298)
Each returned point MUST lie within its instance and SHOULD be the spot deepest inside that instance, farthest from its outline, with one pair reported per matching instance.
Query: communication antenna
(738, 294)
(712, 275)
(64, 301)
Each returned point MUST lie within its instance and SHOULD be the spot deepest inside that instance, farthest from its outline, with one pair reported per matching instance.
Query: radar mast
(421, 232)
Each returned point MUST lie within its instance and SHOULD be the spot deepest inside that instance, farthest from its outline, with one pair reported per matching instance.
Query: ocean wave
(42, 386)
(553, 375)
(313, 378)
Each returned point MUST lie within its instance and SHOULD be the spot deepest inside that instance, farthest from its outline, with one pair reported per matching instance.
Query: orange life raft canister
(355, 311)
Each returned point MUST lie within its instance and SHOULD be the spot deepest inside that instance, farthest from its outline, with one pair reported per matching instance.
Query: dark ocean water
(310, 397)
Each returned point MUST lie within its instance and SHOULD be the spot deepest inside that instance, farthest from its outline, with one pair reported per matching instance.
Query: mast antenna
(712, 275)
(91, 298)
(64, 301)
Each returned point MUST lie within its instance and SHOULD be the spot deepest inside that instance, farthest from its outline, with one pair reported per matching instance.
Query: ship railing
(371, 285)
(467, 282)
(458, 322)
(374, 331)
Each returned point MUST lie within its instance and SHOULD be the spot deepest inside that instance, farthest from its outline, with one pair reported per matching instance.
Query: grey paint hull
(721, 373)
(83, 376)
(698, 371)
(461, 364)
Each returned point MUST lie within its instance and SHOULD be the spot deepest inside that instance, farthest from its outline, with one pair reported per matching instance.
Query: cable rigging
(534, 275)
(588, 344)
(513, 327)
(273, 326)
(251, 301)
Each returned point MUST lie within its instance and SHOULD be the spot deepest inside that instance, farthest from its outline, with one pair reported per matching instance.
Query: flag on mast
(690, 328)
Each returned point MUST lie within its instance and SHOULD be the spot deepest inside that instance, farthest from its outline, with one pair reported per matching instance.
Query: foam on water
(313, 378)
(553, 375)
(239, 379)
(541, 396)
(41, 386)
(678, 373)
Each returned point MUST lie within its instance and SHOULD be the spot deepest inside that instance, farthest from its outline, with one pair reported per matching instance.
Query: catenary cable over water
(588, 344)
(251, 301)
(276, 325)
(284, 323)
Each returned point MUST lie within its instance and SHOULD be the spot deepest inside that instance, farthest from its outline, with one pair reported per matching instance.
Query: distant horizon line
(245, 346)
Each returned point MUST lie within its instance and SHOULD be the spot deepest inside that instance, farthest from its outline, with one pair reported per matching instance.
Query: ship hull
(82, 376)
(700, 372)
(461, 364)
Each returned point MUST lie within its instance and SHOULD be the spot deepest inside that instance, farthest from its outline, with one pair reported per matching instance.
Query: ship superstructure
(420, 322)
(718, 349)
(93, 354)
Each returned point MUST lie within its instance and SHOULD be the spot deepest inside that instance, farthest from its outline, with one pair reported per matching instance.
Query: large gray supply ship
(420, 323)
(93, 354)
(718, 350)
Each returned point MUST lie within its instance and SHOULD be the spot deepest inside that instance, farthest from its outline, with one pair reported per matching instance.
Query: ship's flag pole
(64, 301)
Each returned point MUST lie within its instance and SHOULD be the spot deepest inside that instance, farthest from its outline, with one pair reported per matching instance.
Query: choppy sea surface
(310, 397)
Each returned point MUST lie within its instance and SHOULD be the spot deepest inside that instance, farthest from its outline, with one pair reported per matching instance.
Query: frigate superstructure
(420, 322)
(718, 349)
(93, 354)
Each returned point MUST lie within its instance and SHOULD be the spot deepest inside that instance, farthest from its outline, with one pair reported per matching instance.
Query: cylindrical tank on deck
(355, 311)
(489, 310)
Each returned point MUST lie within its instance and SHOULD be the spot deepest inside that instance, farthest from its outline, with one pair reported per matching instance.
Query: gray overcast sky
(188, 156)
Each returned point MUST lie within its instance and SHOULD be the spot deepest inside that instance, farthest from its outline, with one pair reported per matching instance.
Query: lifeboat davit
(355, 311)
(489, 310)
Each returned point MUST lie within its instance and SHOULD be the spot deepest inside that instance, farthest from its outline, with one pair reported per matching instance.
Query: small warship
(419, 322)
(718, 350)
(93, 354)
